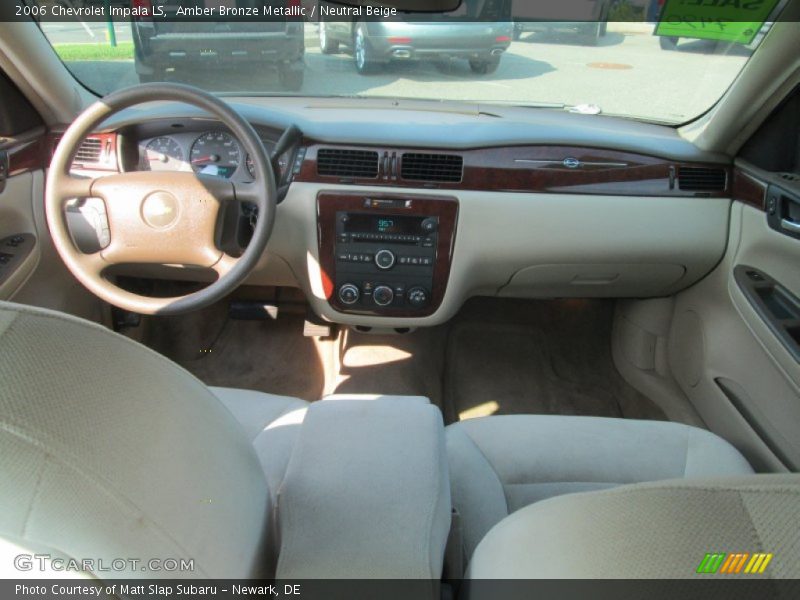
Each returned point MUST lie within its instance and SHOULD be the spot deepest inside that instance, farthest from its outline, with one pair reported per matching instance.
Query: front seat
(109, 450)
(501, 464)
(746, 526)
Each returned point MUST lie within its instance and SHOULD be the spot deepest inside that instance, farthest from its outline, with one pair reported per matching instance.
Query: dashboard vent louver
(432, 167)
(701, 179)
(90, 151)
(347, 163)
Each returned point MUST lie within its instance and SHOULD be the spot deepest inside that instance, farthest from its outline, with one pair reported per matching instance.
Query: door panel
(19, 247)
(728, 357)
(36, 274)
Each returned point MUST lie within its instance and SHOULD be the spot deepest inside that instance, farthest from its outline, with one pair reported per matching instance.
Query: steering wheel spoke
(224, 265)
(246, 192)
(76, 187)
(93, 263)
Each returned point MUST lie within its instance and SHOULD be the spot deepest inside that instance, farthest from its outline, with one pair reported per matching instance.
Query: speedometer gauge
(216, 153)
(162, 153)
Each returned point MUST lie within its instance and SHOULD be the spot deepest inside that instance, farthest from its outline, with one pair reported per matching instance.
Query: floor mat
(405, 364)
(268, 356)
(537, 357)
(495, 357)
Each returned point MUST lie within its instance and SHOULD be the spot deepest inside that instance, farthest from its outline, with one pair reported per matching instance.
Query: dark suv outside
(373, 44)
(162, 43)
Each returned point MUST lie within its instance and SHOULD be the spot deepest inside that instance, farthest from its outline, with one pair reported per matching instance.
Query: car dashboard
(395, 214)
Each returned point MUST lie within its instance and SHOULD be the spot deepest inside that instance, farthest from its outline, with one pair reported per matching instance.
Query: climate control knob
(383, 295)
(417, 297)
(384, 259)
(349, 294)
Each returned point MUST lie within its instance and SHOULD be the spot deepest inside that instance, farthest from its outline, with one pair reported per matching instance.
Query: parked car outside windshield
(615, 67)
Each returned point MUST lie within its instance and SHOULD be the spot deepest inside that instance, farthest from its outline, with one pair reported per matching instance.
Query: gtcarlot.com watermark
(46, 562)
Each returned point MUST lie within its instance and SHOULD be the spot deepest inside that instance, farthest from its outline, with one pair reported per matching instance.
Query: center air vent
(89, 151)
(701, 179)
(347, 163)
(432, 167)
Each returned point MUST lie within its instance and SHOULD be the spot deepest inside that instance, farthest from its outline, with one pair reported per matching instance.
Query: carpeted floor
(495, 357)
(539, 357)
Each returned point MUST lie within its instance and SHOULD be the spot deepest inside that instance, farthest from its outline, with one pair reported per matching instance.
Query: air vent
(347, 163)
(89, 151)
(790, 176)
(701, 179)
(432, 167)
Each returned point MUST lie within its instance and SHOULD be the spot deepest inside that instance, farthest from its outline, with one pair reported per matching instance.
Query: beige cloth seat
(501, 464)
(271, 423)
(107, 450)
(658, 530)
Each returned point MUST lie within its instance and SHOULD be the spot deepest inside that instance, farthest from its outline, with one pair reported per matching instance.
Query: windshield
(629, 68)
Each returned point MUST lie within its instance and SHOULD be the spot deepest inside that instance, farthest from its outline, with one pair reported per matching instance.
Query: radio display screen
(367, 223)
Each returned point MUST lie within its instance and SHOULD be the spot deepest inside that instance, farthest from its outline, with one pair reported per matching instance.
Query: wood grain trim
(535, 169)
(445, 207)
(34, 154)
(26, 156)
(749, 190)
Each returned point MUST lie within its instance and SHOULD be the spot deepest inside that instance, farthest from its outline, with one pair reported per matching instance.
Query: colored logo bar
(734, 563)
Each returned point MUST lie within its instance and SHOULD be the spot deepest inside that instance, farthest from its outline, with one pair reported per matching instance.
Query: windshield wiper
(557, 105)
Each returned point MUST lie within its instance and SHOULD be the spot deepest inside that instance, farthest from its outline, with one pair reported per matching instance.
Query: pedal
(242, 310)
(313, 326)
(123, 319)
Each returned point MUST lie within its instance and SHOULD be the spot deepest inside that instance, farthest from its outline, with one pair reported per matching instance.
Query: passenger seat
(499, 465)
(747, 526)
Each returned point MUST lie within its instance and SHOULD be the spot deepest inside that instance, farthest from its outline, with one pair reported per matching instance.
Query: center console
(386, 254)
(383, 494)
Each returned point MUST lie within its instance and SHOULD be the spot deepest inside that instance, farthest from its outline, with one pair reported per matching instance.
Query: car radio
(385, 260)
(388, 254)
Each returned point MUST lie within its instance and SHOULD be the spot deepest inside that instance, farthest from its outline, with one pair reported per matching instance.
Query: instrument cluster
(214, 152)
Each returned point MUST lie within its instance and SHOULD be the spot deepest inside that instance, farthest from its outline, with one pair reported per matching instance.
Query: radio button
(384, 259)
(383, 295)
(430, 225)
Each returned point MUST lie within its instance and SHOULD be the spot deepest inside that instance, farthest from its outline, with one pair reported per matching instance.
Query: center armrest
(366, 493)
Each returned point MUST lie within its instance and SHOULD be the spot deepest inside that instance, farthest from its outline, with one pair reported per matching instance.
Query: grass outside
(94, 52)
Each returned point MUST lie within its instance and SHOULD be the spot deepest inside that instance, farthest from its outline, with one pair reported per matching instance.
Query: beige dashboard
(533, 220)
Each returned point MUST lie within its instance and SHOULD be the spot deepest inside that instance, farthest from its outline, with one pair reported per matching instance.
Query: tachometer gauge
(216, 153)
(162, 153)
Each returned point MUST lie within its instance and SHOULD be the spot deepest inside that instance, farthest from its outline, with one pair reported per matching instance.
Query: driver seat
(109, 450)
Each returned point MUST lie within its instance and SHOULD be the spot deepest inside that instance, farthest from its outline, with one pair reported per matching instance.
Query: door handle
(775, 305)
(790, 225)
(783, 211)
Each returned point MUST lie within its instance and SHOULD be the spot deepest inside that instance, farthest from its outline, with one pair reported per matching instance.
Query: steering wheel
(164, 218)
